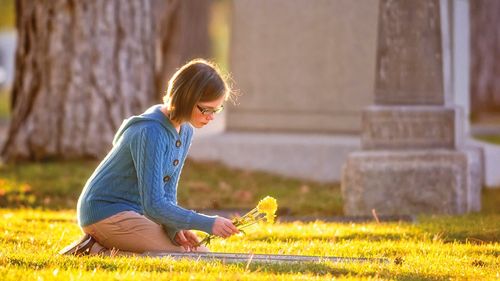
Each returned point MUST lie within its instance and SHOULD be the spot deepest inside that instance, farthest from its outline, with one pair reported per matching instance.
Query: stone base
(410, 182)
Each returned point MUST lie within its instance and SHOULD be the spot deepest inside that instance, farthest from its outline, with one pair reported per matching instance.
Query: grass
(202, 186)
(490, 201)
(494, 139)
(7, 14)
(209, 185)
(4, 104)
(56, 185)
(49, 185)
(434, 249)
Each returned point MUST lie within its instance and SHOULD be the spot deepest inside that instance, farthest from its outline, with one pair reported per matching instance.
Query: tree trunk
(485, 58)
(81, 67)
(84, 66)
(182, 35)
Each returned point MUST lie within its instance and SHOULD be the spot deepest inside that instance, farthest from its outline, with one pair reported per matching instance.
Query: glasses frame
(210, 111)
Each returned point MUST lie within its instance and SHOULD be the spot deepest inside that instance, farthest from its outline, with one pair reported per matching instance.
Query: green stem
(253, 214)
(252, 223)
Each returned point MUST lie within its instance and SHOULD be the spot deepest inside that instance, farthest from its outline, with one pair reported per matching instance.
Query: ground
(434, 248)
(429, 248)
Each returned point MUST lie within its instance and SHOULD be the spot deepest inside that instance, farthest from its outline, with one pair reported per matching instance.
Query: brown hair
(198, 80)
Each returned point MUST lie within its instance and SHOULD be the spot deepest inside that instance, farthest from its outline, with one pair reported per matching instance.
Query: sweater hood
(153, 114)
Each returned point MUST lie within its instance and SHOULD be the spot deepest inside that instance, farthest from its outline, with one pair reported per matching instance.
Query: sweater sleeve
(147, 149)
(171, 232)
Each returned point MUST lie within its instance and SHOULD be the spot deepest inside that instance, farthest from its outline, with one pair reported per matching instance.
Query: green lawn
(494, 139)
(432, 248)
(57, 186)
(440, 248)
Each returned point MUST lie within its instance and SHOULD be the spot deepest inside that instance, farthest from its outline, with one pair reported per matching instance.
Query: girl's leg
(131, 233)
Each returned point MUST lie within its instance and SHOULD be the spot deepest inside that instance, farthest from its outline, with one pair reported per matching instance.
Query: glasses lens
(219, 109)
(208, 111)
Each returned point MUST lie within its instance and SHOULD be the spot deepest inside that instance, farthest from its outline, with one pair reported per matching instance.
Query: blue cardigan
(141, 173)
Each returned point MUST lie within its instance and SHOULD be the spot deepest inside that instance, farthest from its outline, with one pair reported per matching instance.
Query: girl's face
(204, 112)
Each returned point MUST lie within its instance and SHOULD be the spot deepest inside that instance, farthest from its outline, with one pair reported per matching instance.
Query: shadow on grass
(112, 265)
(419, 277)
(341, 238)
(158, 265)
(339, 270)
(472, 228)
(303, 268)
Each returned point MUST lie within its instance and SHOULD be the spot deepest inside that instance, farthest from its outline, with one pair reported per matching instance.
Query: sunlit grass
(432, 249)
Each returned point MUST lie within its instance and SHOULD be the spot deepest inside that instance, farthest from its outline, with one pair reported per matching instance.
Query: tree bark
(84, 66)
(81, 67)
(485, 57)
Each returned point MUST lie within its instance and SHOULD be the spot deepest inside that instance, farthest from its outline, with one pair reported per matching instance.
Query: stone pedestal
(306, 70)
(409, 182)
(413, 159)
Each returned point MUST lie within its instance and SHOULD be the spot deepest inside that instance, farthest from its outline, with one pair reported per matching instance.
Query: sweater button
(176, 162)
(178, 143)
(166, 178)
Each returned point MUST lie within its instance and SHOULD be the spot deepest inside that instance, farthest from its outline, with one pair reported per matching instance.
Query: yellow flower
(267, 206)
(270, 218)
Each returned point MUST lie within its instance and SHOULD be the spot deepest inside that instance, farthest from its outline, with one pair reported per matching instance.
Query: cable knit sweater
(141, 173)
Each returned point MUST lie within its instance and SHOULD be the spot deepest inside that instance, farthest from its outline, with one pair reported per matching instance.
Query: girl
(129, 203)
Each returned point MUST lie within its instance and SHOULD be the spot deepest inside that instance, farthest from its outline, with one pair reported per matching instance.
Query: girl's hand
(224, 228)
(187, 239)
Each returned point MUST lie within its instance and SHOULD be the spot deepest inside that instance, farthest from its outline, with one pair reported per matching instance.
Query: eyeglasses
(209, 111)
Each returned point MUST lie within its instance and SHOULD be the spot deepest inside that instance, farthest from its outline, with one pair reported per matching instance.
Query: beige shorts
(131, 232)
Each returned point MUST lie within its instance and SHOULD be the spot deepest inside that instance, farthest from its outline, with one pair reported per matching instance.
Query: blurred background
(304, 71)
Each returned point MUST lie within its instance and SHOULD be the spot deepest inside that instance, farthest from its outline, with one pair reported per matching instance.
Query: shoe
(79, 248)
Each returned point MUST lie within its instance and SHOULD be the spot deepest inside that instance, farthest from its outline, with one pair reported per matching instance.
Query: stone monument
(413, 159)
(305, 70)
